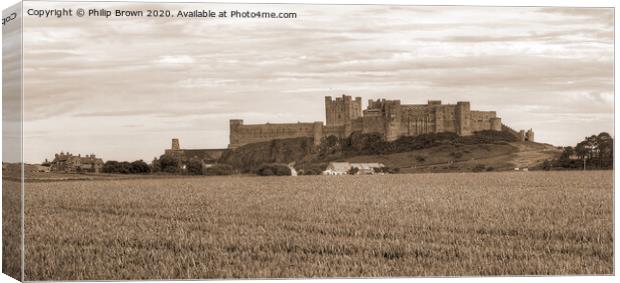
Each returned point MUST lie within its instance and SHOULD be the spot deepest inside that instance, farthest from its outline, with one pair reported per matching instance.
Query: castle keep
(344, 115)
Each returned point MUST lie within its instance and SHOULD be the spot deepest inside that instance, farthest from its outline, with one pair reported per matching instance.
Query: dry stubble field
(397, 225)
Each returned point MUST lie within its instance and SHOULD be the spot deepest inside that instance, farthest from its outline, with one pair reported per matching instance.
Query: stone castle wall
(205, 155)
(241, 134)
(344, 115)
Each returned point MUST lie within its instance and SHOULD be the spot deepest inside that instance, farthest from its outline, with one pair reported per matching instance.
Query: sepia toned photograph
(178, 141)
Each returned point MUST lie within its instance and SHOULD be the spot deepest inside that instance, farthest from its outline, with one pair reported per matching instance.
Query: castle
(344, 115)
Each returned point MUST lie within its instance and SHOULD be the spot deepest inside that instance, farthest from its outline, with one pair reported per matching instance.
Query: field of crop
(511, 223)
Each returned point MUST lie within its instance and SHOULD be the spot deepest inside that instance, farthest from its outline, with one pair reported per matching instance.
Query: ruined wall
(245, 134)
(206, 155)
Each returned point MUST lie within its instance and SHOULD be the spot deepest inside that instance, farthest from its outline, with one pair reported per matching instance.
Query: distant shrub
(374, 143)
(219, 170)
(420, 158)
(479, 168)
(124, 167)
(310, 168)
(387, 170)
(353, 171)
(546, 165)
(139, 167)
(272, 169)
(168, 164)
(311, 171)
(490, 168)
(456, 154)
(194, 167)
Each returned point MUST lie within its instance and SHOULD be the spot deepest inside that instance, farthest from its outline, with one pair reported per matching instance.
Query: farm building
(343, 168)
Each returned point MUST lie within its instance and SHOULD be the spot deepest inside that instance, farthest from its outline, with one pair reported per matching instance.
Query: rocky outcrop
(249, 157)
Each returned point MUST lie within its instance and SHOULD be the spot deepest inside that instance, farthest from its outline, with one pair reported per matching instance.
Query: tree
(479, 168)
(124, 167)
(168, 164)
(581, 150)
(266, 172)
(605, 150)
(595, 151)
(274, 169)
(155, 166)
(564, 160)
(139, 167)
(194, 167)
(111, 166)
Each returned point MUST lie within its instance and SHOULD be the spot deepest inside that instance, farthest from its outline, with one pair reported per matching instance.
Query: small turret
(529, 135)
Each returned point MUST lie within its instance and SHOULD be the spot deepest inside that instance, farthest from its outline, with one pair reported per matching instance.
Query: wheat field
(511, 223)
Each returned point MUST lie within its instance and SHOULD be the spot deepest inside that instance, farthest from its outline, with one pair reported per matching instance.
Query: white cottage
(343, 168)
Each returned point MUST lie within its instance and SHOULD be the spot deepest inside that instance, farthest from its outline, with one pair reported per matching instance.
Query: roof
(346, 166)
(339, 166)
(75, 158)
(367, 166)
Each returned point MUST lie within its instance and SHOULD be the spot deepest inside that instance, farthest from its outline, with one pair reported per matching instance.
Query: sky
(122, 88)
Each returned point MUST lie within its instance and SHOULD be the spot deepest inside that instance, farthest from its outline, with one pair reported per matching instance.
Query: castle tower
(342, 110)
(438, 115)
(392, 117)
(175, 144)
(463, 118)
(234, 133)
(317, 132)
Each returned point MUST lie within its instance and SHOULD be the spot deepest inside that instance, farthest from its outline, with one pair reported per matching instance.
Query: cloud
(187, 78)
(175, 59)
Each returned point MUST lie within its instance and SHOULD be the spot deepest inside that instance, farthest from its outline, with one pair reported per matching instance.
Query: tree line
(593, 152)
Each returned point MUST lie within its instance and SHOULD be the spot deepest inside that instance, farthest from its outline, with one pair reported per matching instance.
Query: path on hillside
(533, 154)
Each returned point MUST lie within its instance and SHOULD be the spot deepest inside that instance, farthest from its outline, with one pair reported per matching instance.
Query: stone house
(69, 163)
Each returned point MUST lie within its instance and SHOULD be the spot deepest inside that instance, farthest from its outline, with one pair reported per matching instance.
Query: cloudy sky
(123, 87)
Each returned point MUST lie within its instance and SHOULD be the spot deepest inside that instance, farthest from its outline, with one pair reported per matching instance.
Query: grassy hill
(442, 152)
(466, 158)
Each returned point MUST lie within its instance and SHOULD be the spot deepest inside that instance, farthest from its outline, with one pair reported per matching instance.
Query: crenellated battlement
(342, 110)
